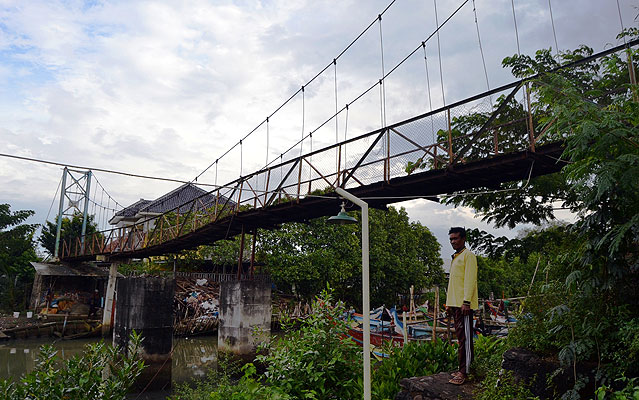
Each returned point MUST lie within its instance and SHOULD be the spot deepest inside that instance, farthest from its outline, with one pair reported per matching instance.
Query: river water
(192, 358)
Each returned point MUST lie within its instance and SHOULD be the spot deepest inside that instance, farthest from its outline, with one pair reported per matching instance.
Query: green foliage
(414, 359)
(587, 307)
(496, 384)
(99, 373)
(629, 390)
(533, 330)
(402, 254)
(70, 230)
(317, 360)
(628, 356)
(16, 252)
(503, 386)
(489, 351)
(219, 386)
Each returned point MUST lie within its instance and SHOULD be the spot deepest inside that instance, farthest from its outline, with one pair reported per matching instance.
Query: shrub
(503, 386)
(317, 360)
(489, 351)
(629, 391)
(219, 386)
(99, 373)
(414, 359)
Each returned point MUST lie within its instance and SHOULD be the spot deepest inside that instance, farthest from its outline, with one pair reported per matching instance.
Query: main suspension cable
(386, 75)
(298, 91)
(54, 197)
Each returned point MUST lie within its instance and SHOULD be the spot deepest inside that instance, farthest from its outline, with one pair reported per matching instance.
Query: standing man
(461, 300)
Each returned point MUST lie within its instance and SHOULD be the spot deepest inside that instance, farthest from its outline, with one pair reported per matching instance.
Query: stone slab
(435, 387)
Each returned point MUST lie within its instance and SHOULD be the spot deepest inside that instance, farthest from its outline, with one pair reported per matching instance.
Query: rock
(434, 387)
(535, 371)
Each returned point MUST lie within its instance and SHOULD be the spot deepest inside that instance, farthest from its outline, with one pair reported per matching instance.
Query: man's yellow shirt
(462, 283)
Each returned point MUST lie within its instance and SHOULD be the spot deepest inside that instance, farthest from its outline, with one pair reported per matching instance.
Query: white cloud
(164, 88)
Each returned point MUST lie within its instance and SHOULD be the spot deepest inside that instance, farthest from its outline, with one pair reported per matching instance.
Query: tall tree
(16, 251)
(590, 307)
(311, 255)
(71, 228)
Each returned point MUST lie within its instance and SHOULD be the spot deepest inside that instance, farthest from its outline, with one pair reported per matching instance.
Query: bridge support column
(244, 306)
(146, 306)
(107, 312)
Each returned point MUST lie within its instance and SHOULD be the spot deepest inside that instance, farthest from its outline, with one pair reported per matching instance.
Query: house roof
(129, 212)
(182, 197)
(84, 269)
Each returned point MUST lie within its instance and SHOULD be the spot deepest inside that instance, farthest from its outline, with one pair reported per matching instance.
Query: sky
(164, 88)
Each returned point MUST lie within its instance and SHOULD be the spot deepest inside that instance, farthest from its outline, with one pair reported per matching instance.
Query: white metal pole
(365, 290)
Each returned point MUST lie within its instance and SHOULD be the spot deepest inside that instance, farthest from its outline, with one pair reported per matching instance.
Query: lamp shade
(342, 218)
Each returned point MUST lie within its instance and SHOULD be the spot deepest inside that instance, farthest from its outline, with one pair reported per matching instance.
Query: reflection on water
(192, 357)
(19, 356)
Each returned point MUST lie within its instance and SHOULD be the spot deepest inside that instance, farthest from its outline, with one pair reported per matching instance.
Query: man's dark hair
(458, 229)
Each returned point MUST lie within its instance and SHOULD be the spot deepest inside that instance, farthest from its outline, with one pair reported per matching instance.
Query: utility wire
(512, 2)
(621, 20)
(481, 50)
(108, 171)
(554, 33)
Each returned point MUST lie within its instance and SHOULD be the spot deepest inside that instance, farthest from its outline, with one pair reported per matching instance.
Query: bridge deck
(488, 172)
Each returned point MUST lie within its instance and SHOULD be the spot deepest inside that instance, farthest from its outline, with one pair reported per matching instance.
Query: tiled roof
(182, 197)
(133, 209)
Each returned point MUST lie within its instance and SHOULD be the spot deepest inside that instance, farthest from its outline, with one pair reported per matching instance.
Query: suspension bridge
(479, 142)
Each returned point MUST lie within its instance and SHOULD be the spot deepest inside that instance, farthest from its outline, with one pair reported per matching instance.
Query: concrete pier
(146, 306)
(244, 307)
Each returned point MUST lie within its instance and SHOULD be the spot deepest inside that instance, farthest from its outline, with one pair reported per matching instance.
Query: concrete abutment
(145, 305)
(245, 316)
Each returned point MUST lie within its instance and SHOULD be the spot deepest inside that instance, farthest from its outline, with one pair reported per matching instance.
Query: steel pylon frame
(71, 197)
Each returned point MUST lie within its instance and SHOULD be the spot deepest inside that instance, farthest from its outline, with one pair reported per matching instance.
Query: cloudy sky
(164, 88)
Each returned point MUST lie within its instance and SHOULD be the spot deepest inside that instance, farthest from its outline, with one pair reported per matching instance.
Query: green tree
(310, 255)
(589, 307)
(16, 251)
(70, 230)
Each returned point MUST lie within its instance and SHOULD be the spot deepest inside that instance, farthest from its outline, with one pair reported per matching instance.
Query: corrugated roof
(83, 269)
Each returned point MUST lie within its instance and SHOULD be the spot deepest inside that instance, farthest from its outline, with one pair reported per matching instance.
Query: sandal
(456, 373)
(458, 379)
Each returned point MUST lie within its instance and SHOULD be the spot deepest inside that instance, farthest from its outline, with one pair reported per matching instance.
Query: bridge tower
(73, 195)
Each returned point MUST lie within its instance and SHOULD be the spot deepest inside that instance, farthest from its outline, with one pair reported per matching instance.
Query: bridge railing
(498, 121)
(471, 129)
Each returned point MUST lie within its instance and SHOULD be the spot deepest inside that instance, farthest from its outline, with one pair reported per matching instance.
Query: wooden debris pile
(196, 306)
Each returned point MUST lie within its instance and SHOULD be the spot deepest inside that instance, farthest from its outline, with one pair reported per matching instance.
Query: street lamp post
(365, 283)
